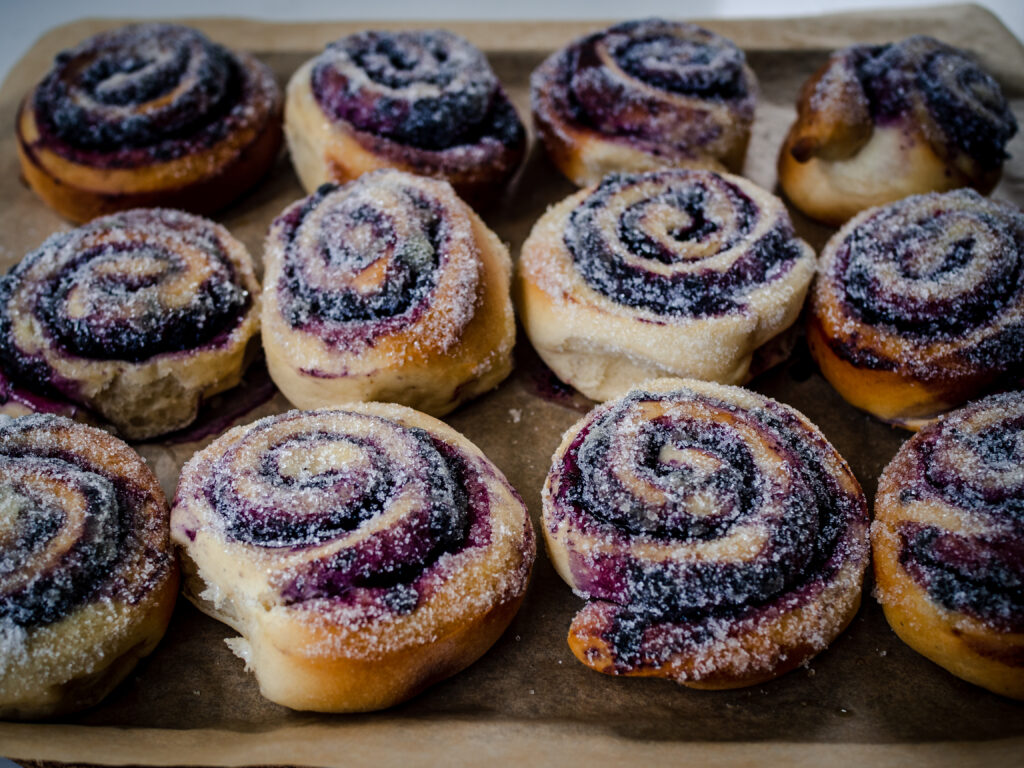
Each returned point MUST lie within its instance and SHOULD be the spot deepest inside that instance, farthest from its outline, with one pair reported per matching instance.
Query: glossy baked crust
(149, 115)
(719, 539)
(948, 543)
(423, 101)
(363, 554)
(879, 123)
(672, 272)
(918, 305)
(388, 288)
(643, 95)
(89, 579)
(138, 316)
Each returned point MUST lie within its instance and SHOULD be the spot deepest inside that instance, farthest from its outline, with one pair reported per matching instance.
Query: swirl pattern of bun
(363, 554)
(148, 115)
(138, 316)
(719, 538)
(948, 542)
(424, 101)
(387, 288)
(643, 95)
(919, 305)
(879, 123)
(87, 576)
(672, 272)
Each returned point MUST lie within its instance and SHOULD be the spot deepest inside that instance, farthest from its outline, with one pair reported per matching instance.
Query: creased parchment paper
(868, 700)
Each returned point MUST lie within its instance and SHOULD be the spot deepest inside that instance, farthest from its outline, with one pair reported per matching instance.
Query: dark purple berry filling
(964, 100)
(686, 293)
(806, 535)
(428, 89)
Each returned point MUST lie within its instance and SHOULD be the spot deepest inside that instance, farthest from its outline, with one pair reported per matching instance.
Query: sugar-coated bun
(387, 288)
(719, 538)
(363, 554)
(948, 543)
(643, 95)
(139, 316)
(878, 123)
(422, 101)
(671, 272)
(919, 304)
(87, 576)
(148, 115)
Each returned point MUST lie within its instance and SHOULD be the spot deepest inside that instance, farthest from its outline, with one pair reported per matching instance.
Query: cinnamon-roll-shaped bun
(919, 305)
(148, 115)
(878, 123)
(948, 543)
(718, 537)
(387, 288)
(672, 272)
(138, 316)
(87, 576)
(422, 101)
(643, 95)
(363, 554)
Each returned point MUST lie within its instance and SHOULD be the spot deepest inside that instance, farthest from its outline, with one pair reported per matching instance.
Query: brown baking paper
(867, 700)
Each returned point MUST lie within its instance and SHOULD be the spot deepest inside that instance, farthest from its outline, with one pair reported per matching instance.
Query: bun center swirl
(372, 505)
(129, 287)
(945, 87)
(373, 255)
(60, 528)
(428, 88)
(715, 510)
(933, 266)
(137, 86)
(962, 538)
(615, 77)
(684, 243)
(75, 522)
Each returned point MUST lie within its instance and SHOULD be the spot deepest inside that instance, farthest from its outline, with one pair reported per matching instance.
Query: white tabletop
(22, 22)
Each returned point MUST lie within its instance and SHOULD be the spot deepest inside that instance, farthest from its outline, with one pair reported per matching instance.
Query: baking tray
(868, 698)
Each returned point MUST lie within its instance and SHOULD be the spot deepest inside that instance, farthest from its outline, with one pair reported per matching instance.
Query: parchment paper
(869, 699)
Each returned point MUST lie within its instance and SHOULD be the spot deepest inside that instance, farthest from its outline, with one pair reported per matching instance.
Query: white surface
(23, 21)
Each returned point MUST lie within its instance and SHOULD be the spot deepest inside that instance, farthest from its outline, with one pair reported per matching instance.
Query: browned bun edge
(894, 396)
(215, 178)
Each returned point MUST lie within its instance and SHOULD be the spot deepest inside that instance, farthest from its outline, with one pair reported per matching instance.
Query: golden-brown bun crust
(83, 182)
(931, 531)
(324, 624)
(675, 590)
(907, 343)
(605, 315)
(326, 147)
(449, 333)
(69, 640)
(616, 120)
(846, 152)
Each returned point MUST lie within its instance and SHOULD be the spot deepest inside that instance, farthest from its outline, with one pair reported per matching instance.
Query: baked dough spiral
(387, 288)
(719, 539)
(919, 305)
(643, 95)
(87, 576)
(138, 316)
(148, 115)
(422, 101)
(671, 272)
(948, 542)
(879, 123)
(363, 554)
